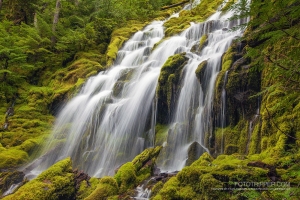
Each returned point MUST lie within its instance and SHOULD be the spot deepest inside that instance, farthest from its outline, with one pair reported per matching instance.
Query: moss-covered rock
(194, 152)
(107, 187)
(168, 85)
(86, 188)
(57, 182)
(201, 70)
(118, 37)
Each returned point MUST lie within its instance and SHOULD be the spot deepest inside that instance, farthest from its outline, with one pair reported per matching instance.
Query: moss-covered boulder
(168, 86)
(107, 187)
(201, 70)
(57, 182)
(194, 152)
(141, 168)
(86, 188)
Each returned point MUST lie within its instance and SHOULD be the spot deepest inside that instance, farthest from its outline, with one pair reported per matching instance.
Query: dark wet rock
(7, 179)
(194, 152)
(201, 70)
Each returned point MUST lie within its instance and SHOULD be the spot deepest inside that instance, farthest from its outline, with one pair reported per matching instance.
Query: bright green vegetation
(57, 182)
(205, 176)
(87, 188)
(106, 187)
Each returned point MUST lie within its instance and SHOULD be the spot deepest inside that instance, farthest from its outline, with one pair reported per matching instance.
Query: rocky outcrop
(168, 85)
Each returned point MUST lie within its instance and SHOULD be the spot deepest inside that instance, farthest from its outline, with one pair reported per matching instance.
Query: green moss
(161, 133)
(168, 84)
(156, 188)
(119, 36)
(227, 59)
(12, 157)
(107, 187)
(170, 189)
(140, 160)
(201, 70)
(57, 182)
(144, 174)
(198, 14)
(126, 177)
(207, 183)
(203, 42)
(86, 189)
(187, 192)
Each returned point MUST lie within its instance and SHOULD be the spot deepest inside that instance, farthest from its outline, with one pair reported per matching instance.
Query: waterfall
(112, 119)
(192, 119)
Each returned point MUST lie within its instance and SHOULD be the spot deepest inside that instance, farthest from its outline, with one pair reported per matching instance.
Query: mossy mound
(107, 187)
(57, 182)
(87, 188)
(168, 85)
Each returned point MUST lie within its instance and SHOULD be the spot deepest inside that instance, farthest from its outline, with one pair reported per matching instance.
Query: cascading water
(112, 119)
(192, 119)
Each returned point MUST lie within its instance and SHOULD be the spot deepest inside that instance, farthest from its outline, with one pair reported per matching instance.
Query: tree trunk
(55, 20)
(75, 1)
